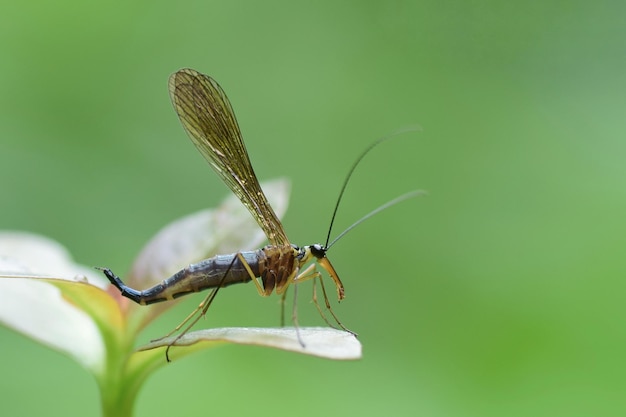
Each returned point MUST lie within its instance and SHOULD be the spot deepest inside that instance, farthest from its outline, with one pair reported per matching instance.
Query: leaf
(23, 253)
(45, 296)
(322, 342)
(38, 310)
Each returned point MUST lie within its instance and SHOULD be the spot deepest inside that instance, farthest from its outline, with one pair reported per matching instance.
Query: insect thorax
(278, 266)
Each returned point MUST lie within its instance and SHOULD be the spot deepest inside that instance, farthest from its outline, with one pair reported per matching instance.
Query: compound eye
(318, 250)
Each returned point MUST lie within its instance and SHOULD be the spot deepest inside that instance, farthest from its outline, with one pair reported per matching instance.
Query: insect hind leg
(203, 307)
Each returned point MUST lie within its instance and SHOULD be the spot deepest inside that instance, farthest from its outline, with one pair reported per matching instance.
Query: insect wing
(208, 118)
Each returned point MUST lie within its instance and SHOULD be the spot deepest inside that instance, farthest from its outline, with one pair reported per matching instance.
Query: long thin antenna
(410, 194)
(358, 160)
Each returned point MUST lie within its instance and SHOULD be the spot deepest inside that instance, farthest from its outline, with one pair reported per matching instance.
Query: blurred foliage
(499, 293)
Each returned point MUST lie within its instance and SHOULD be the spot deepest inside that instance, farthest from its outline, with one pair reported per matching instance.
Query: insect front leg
(309, 273)
(312, 273)
(328, 307)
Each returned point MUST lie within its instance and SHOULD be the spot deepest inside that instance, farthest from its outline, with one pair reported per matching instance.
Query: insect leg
(294, 313)
(203, 307)
(312, 273)
(284, 289)
(245, 264)
(327, 303)
(317, 304)
(309, 273)
(282, 308)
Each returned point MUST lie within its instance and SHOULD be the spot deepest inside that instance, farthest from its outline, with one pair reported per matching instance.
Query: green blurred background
(498, 294)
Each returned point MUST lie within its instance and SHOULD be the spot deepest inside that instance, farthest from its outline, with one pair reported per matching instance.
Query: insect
(208, 118)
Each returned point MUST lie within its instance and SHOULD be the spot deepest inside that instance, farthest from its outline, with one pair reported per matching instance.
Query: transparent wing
(208, 118)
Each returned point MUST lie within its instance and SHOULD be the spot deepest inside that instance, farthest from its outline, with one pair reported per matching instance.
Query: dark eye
(318, 250)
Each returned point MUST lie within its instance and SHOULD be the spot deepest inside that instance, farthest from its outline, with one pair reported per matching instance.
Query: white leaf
(318, 341)
(37, 308)
(23, 253)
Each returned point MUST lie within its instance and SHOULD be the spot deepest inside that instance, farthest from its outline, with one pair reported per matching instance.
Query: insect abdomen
(220, 270)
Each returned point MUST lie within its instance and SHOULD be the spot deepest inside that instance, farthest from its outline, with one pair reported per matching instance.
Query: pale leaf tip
(318, 341)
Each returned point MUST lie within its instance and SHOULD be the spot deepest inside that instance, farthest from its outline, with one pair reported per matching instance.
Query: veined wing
(208, 118)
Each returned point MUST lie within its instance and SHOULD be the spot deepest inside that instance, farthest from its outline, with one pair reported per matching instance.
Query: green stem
(118, 391)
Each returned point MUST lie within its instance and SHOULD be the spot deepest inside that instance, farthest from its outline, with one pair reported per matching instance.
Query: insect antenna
(345, 184)
(388, 204)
